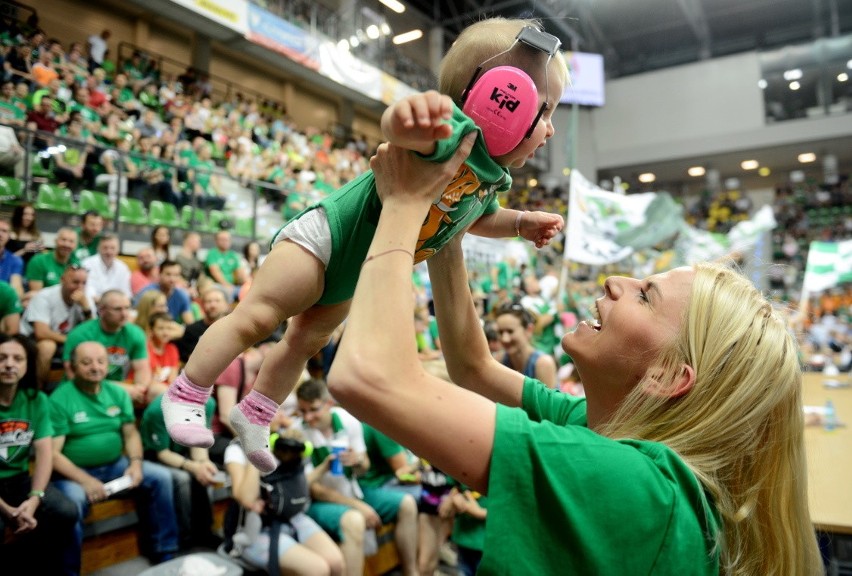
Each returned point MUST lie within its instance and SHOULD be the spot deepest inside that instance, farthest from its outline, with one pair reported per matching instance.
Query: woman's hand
(401, 174)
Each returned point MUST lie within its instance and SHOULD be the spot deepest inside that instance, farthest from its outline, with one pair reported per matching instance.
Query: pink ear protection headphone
(503, 101)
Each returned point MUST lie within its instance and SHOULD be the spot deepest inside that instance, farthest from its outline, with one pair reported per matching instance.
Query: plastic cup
(337, 448)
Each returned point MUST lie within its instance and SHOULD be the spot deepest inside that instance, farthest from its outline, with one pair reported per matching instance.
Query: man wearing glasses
(125, 343)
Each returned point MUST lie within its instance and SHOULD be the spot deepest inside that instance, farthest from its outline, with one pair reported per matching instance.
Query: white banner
(829, 264)
(605, 227)
(230, 13)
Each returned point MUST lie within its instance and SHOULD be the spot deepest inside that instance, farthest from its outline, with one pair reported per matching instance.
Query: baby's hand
(540, 227)
(418, 118)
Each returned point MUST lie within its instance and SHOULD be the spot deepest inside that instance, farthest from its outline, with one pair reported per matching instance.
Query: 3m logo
(504, 99)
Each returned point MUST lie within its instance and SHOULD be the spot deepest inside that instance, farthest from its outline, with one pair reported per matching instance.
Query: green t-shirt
(202, 171)
(577, 502)
(228, 262)
(152, 427)
(83, 251)
(123, 347)
(26, 420)
(11, 113)
(91, 423)
(44, 267)
(353, 210)
(10, 303)
(379, 449)
(468, 531)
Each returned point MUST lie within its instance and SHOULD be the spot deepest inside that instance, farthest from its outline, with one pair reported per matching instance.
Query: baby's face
(543, 129)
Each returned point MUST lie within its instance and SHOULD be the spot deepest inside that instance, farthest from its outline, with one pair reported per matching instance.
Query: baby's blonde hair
(488, 38)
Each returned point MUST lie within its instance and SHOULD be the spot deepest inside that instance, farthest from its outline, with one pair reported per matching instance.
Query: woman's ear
(676, 388)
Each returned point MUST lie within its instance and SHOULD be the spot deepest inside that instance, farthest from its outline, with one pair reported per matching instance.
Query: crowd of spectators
(153, 137)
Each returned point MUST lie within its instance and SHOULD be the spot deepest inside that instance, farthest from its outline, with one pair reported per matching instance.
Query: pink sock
(184, 390)
(258, 409)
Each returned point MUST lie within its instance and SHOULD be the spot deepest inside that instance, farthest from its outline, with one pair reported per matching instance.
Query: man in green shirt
(96, 441)
(46, 269)
(124, 341)
(223, 264)
(91, 228)
(10, 113)
(10, 309)
(192, 473)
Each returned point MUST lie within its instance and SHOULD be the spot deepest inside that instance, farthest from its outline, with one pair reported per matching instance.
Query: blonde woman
(685, 457)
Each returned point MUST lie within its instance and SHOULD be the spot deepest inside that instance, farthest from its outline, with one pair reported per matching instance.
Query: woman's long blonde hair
(741, 426)
(143, 308)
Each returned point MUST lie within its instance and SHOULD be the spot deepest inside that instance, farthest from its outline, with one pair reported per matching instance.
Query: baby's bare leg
(290, 280)
(280, 371)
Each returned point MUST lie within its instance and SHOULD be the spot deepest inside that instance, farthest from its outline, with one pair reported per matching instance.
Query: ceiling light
(761, 84)
(849, 64)
(566, 171)
(625, 186)
(647, 177)
(764, 171)
(806, 157)
(533, 183)
(696, 171)
(394, 5)
(842, 77)
(749, 164)
(795, 85)
(794, 74)
(353, 41)
(373, 32)
(343, 45)
(408, 36)
(385, 28)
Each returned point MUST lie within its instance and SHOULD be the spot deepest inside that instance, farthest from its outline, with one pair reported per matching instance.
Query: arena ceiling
(641, 35)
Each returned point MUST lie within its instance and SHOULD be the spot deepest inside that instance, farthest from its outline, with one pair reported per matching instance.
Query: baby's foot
(251, 418)
(183, 410)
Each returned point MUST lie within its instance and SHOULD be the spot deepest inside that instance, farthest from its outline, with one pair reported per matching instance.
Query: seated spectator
(179, 302)
(25, 238)
(192, 473)
(10, 310)
(52, 313)
(146, 272)
(223, 264)
(11, 153)
(339, 505)
(515, 325)
(11, 265)
(34, 510)
(206, 186)
(162, 353)
(470, 510)
(215, 304)
(191, 268)
(302, 545)
(119, 170)
(89, 235)
(128, 348)
(45, 269)
(71, 168)
(161, 240)
(96, 440)
(106, 270)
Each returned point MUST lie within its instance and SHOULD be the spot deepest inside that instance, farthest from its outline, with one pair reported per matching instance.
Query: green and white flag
(829, 264)
(605, 227)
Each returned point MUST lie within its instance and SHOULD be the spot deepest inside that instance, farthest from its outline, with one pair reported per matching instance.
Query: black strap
(274, 533)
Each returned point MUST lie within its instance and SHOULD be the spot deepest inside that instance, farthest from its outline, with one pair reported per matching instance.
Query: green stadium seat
(193, 219)
(132, 211)
(11, 190)
(163, 214)
(55, 198)
(97, 201)
(244, 227)
(215, 218)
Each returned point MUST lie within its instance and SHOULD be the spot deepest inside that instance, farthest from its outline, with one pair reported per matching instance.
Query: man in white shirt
(53, 312)
(106, 270)
(98, 49)
(337, 499)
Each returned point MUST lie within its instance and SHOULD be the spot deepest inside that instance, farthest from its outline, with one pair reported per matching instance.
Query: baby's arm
(417, 121)
(537, 227)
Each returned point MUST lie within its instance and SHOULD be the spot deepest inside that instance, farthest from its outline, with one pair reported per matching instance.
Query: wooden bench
(110, 531)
